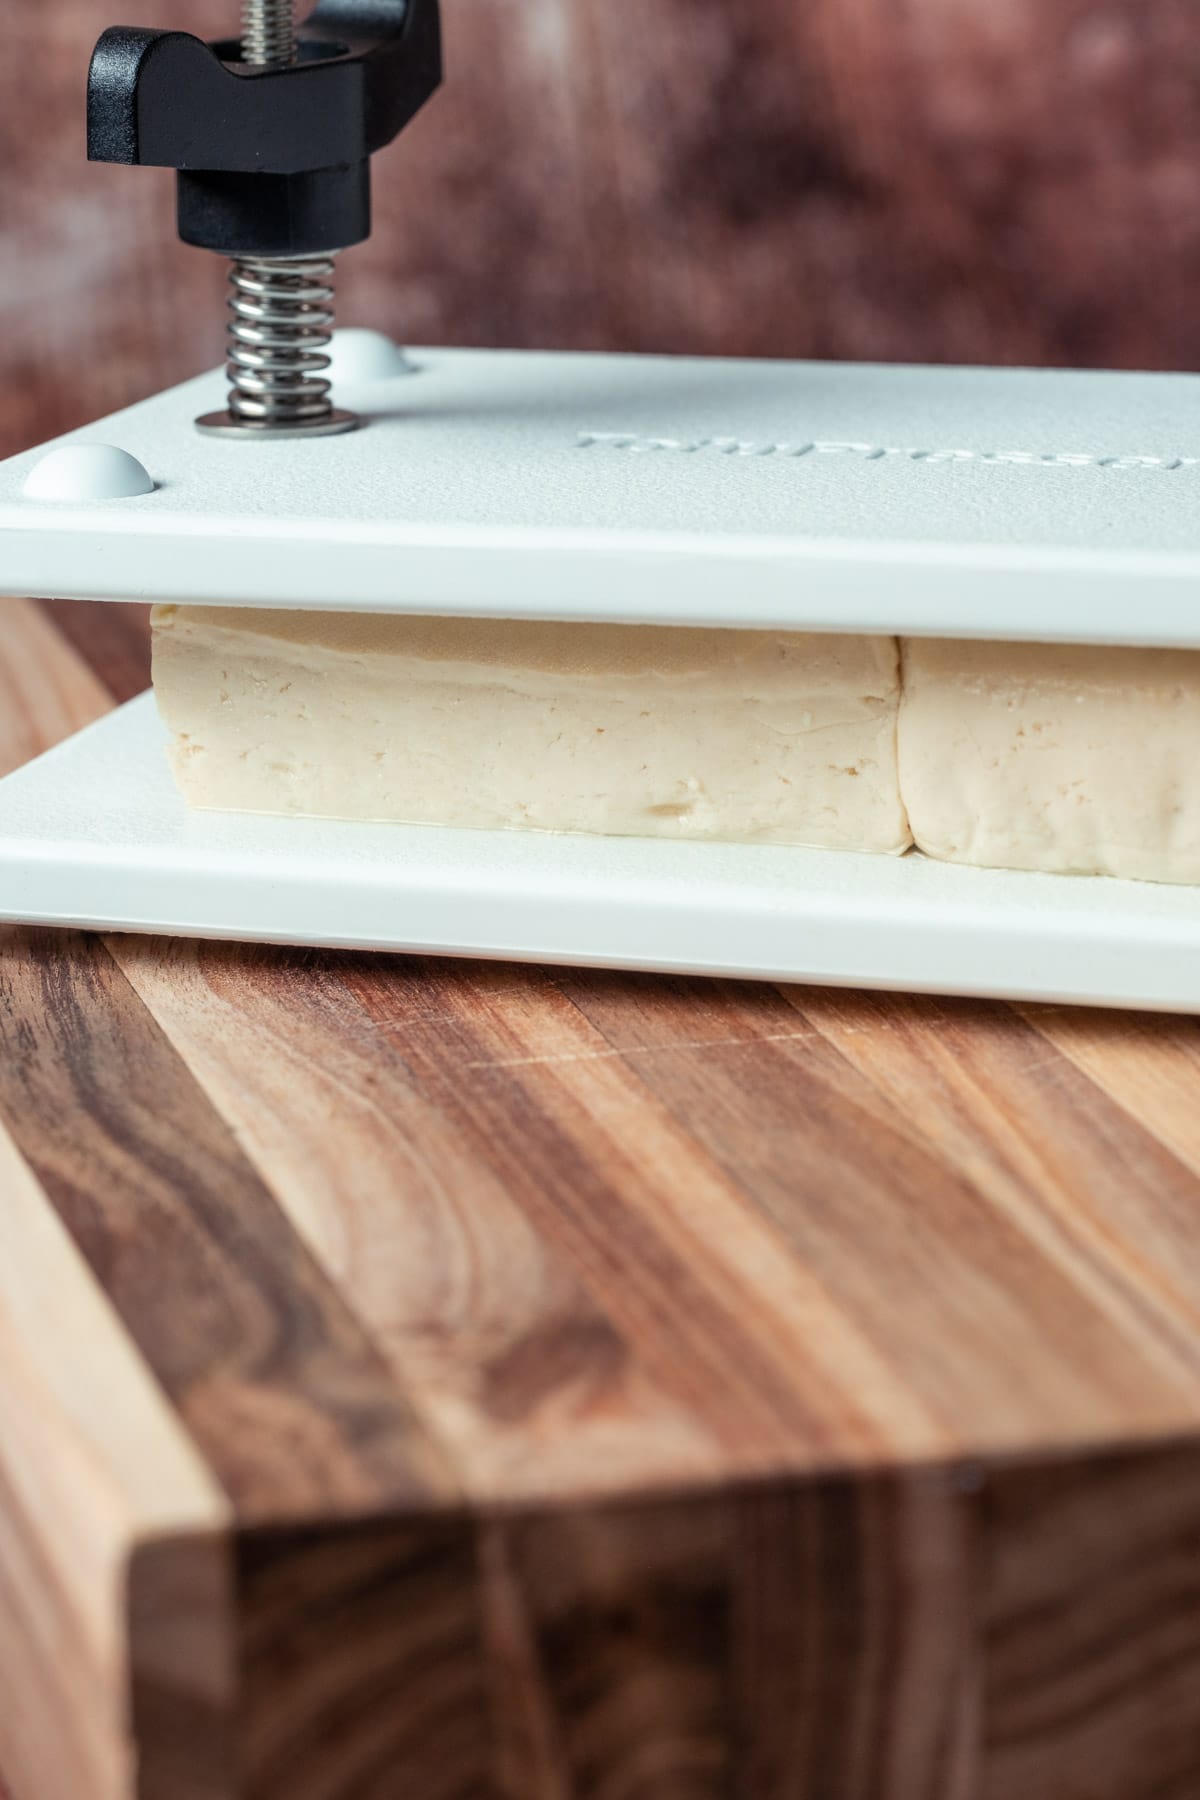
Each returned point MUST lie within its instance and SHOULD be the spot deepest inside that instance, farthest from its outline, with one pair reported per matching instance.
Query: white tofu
(644, 731)
(1079, 759)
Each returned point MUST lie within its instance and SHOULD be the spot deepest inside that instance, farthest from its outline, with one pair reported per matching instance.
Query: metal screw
(268, 32)
(281, 309)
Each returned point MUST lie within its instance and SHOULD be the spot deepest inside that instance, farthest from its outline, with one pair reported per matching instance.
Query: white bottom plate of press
(94, 834)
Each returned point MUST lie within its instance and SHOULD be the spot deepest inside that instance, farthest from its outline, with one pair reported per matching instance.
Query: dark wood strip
(184, 1700)
(1091, 1628)
(1021, 1634)
(362, 1666)
(627, 1616)
(274, 1377)
(791, 1643)
(530, 1750)
(112, 638)
(854, 1654)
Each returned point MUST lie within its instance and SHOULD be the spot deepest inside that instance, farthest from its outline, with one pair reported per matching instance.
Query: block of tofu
(631, 730)
(1080, 759)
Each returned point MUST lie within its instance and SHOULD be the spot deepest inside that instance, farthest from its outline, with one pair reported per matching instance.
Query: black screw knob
(273, 165)
(272, 160)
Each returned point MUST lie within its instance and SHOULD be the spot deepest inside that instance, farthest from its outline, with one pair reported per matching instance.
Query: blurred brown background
(1001, 180)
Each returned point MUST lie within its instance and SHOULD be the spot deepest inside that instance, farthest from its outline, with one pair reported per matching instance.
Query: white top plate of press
(822, 496)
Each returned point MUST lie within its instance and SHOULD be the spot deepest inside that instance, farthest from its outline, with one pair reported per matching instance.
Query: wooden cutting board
(465, 1382)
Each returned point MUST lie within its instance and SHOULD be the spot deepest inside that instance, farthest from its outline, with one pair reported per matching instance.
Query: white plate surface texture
(997, 503)
(95, 834)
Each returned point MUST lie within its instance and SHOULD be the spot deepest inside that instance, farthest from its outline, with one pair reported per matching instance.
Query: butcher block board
(469, 1381)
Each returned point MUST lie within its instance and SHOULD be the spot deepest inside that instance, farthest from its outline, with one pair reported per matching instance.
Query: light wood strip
(47, 691)
(92, 1464)
(1098, 1195)
(1148, 1066)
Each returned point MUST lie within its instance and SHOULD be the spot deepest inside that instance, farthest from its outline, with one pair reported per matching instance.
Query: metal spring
(281, 321)
(268, 32)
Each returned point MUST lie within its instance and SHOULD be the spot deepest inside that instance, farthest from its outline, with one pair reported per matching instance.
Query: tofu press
(1012, 504)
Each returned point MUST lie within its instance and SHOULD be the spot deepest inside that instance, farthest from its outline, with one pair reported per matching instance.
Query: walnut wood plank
(617, 1386)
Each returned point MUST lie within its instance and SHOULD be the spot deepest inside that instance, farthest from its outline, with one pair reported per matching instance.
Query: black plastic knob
(272, 162)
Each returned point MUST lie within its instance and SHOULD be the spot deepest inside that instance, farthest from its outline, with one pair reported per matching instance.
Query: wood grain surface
(433, 1381)
(495, 1383)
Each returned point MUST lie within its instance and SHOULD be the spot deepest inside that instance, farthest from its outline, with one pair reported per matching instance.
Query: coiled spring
(280, 325)
(280, 308)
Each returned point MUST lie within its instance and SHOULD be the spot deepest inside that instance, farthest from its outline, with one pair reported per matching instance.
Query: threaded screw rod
(280, 308)
(268, 32)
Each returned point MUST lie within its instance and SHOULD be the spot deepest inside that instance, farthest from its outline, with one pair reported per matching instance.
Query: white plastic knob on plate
(358, 355)
(87, 472)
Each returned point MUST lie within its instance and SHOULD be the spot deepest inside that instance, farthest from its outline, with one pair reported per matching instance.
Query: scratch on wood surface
(574, 1056)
